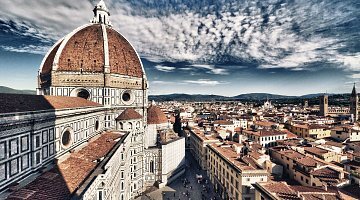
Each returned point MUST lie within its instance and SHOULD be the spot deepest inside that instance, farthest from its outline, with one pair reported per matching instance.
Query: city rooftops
(62, 181)
(244, 163)
(281, 190)
(264, 132)
(12, 103)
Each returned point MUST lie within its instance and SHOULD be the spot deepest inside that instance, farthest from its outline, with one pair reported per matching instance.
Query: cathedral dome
(93, 48)
(129, 114)
(155, 115)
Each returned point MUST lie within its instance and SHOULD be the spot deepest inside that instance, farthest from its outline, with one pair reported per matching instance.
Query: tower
(324, 105)
(354, 102)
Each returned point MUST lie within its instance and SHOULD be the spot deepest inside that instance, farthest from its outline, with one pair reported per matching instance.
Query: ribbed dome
(156, 115)
(128, 114)
(93, 48)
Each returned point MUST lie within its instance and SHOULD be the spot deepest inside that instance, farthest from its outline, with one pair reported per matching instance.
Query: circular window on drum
(66, 137)
(127, 97)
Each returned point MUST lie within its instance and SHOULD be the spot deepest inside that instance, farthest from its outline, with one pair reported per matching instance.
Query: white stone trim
(65, 41)
(48, 53)
(106, 50)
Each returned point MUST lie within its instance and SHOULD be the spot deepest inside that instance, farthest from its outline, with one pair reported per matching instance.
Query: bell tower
(354, 102)
(324, 105)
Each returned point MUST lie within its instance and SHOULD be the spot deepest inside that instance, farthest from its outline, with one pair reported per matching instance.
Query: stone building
(86, 134)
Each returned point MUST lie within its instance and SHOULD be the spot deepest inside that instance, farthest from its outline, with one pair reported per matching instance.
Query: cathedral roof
(10, 103)
(128, 114)
(93, 48)
(156, 115)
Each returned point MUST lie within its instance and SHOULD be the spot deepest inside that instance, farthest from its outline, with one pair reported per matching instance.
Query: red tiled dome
(128, 114)
(156, 115)
(86, 50)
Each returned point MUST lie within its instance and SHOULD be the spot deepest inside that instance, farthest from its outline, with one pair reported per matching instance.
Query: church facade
(89, 133)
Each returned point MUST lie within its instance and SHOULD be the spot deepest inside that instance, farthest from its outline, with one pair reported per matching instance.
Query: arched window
(152, 166)
(121, 126)
(130, 125)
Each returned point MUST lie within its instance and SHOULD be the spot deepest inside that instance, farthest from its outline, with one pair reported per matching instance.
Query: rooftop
(66, 177)
(11, 103)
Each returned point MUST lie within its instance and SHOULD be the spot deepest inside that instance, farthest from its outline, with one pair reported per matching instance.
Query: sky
(225, 47)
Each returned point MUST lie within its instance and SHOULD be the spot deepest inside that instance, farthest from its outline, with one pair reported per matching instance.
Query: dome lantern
(101, 14)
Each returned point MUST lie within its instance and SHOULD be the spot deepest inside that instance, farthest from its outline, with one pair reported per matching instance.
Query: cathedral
(89, 133)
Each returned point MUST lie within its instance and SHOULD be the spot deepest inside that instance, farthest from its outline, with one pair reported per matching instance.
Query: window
(37, 157)
(97, 125)
(100, 195)
(152, 166)
(126, 96)
(66, 139)
(83, 93)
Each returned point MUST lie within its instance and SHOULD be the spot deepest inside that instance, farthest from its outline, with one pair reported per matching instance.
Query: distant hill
(261, 96)
(8, 90)
(186, 97)
(244, 97)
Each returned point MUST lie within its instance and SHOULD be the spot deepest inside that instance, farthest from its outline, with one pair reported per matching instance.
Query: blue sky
(225, 47)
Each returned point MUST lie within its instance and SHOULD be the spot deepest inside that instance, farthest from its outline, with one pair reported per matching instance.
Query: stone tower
(324, 105)
(354, 102)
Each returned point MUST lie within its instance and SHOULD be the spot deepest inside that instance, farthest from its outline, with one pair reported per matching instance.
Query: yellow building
(232, 175)
(198, 142)
(308, 170)
(311, 130)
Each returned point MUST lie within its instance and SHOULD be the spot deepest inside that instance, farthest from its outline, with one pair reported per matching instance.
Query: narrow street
(192, 189)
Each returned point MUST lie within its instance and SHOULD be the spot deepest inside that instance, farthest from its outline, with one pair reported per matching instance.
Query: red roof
(156, 115)
(129, 114)
(122, 56)
(63, 180)
(10, 103)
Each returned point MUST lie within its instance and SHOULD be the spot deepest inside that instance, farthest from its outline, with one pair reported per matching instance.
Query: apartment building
(232, 173)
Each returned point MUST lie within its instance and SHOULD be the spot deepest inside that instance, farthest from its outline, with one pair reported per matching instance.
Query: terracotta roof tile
(10, 103)
(155, 115)
(129, 114)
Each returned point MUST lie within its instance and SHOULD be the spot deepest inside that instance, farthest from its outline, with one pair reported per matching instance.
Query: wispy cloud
(212, 69)
(205, 82)
(164, 68)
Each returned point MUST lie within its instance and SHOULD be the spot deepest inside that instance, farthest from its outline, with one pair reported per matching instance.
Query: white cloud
(200, 33)
(205, 82)
(164, 68)
(212, 69)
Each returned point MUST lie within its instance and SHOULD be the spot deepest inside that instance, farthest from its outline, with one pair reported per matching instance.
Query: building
(346, 133)
(273, 190)
(354, 104)
(311, 131)
(324, 105)
(198, 146)
(308, 170)
(266, 138)
(89, 133)
(233, 174)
